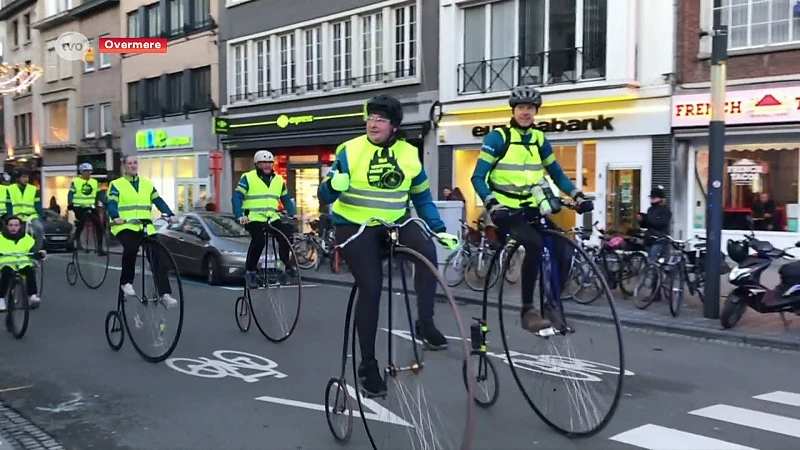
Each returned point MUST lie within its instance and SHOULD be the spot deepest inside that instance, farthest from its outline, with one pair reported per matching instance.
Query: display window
(760, 182)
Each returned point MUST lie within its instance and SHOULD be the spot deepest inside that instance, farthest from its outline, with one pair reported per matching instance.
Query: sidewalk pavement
(766, 330)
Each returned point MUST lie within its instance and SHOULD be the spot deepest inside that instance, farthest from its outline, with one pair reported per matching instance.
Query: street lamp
(716, 161)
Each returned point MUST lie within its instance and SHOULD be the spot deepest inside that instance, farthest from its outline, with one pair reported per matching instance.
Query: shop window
(567, 157)
(187, 167)
(758, 181)
(167, 186)
(465, 161)
(58, 187)
(57, 123)
(145, 167)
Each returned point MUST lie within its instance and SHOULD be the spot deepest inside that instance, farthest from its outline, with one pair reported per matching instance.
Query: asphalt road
(678, 393)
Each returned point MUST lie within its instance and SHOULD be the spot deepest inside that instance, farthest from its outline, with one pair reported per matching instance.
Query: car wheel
(213, 276)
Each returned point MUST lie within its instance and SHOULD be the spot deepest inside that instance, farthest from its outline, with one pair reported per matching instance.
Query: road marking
(229, 363)
(782, 397)
(553, 365)
(18, 388)
(654, 437)
(750, 418)
(73, 404)
(379, 412)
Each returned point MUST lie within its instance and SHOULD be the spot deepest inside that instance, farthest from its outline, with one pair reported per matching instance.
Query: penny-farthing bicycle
(38, 264)
(275, 304)
(17, 305)
(90, 259)
(415, 396)
(556, 384)
(153, 327)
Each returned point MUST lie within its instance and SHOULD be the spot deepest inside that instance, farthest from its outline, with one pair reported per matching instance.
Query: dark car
(57, 232)
(208, 244)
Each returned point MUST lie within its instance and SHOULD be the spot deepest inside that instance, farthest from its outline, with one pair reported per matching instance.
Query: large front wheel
(573, 394)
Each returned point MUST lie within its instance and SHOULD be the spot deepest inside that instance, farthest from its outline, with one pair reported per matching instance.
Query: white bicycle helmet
(84, 167)
(263, 156)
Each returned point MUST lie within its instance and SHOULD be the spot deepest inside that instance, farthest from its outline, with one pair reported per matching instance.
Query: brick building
(762, 143)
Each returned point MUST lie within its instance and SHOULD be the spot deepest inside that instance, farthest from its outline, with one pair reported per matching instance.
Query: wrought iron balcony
(542, 69)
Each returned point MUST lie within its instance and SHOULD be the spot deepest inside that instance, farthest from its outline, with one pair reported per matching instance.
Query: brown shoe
(533, 322)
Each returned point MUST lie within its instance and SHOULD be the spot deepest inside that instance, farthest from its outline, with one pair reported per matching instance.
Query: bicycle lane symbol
(552, 365)
(229, 363)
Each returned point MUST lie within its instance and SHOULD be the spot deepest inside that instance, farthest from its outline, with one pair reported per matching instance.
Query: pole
(716, 160)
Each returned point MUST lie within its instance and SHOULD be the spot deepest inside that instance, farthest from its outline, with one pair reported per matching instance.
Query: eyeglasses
(378, 119)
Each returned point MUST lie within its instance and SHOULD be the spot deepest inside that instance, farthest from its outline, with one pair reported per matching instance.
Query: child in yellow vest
(14, 240)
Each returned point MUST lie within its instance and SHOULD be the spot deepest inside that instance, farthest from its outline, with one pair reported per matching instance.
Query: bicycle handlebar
(390, 226)
(145, 221)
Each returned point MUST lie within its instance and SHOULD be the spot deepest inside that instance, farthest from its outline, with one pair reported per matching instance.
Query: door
(623, 198)
(303, 184)
(189, 193)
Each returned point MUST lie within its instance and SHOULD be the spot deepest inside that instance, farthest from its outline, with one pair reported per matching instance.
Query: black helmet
(658, 192)
(525, 95)
(6, 177)
(387, 106)
(737, 250)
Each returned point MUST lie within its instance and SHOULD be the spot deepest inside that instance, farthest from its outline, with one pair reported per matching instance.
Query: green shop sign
(181, 136)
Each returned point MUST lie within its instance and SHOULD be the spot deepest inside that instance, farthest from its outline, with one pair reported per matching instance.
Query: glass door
(190, 195)
(623, 194)
(303, 184)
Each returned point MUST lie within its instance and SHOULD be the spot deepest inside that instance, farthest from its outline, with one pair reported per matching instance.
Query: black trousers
(7, 274)
(258, 240)
(88, 214)
(130, 241)
(517, 226)
(363, 258)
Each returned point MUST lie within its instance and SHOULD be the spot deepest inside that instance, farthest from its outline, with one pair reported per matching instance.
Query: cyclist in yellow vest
(13, 239)
(5, 182)
(255, 204)
(82, 200)
(25, 202)
(511, 171)
(375, 175)
(133, 197)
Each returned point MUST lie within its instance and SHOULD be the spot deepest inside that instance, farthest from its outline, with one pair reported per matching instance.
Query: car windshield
(225, 226)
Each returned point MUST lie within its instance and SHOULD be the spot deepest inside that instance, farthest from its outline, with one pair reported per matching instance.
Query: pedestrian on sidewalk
(656, 220)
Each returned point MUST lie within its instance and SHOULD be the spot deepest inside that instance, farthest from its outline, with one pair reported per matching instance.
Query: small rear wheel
(72, 274)
(487, 383)
(338, 411)
(115, 334)
(243, 317)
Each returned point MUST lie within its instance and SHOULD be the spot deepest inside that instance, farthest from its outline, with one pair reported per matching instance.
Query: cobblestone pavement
(17, 433)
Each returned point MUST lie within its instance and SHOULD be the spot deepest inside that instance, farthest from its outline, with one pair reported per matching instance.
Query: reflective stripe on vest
(363, 200)
(261, 200)
(23, 245)
(519, 170)
(81, 199)
(23, 203)
(133, 204)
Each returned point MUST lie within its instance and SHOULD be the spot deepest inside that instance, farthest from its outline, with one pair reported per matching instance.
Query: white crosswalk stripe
(657, 437)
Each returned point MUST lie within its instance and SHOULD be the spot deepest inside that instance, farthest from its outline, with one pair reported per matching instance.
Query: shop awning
(332, 136)
(765, 148)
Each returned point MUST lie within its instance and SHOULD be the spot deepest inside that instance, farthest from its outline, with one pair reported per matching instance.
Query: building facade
(605, 84)
(22, 114)
(762, 120)
(169, 101)
(295, 83)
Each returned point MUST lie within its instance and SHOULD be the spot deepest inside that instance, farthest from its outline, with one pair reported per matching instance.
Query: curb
(736, 337)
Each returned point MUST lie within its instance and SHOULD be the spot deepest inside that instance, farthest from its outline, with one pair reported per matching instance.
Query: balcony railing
(338, 84)
(545, 68)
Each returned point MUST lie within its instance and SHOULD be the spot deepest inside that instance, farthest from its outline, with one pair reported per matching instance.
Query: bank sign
(775, 105)
(599, 123)
(167, 138)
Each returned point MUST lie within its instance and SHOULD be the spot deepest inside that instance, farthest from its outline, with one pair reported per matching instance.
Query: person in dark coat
(656, 220)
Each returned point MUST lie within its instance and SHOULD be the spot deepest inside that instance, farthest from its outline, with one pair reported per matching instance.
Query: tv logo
(72, 46)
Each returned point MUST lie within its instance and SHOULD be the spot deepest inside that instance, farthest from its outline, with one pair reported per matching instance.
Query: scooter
(748, 290)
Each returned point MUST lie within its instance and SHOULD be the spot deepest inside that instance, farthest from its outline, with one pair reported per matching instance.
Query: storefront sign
(599, 123)
(745, 171)
(221, 126)
(168, 138)
(777, 105)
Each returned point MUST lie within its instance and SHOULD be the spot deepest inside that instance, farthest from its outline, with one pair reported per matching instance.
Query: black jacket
(656, 220)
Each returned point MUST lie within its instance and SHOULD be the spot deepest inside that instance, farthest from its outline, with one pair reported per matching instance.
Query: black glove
(496, 210)
(70, 207)
(583, 205)
(40, 255)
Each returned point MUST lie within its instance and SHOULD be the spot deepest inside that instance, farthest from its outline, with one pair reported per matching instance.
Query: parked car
(207, 244)
(57, 232)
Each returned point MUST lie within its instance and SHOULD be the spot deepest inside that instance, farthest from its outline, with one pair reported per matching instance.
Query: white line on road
(751, 418)
(654, 437)
(782, 397)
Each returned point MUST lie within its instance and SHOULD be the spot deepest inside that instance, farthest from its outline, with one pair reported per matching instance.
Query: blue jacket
(420, 195)
(243, 187)
(113, 199)
(37, 203)
(493, 144)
